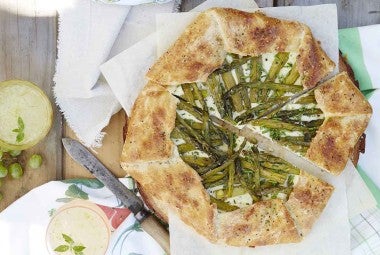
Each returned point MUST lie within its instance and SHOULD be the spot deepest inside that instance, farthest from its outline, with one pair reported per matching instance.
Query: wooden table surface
(28, 35)
(28, 32)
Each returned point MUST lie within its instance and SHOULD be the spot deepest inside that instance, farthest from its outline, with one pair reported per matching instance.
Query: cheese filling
(234, 171)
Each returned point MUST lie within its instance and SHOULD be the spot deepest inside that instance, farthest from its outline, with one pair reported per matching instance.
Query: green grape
(35, 161)
(3, 171)
(14, 153)
(1, 154)
(15, 170)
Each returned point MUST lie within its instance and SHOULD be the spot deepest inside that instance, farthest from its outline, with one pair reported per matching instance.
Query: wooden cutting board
(27, 51)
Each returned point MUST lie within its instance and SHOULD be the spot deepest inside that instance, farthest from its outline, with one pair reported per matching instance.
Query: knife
(148, 222)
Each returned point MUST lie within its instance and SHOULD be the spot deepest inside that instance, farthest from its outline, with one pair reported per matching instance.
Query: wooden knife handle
(155, 229)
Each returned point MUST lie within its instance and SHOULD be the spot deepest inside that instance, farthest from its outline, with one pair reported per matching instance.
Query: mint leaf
(75, 192)
(78, 248)
(20, 137)
(68, 239)
(20, 123)
(62, 248)
(64, 199)
(20, 130)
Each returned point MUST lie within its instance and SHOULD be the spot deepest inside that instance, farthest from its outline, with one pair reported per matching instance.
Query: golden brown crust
(247, 33)
(203, 46)
(347, 114)
(312, 62)
(196, 54)
(150, 125)
(307, 201)
(148, 156)
(175, 186)
(340, 97)
(263, 223)
(360, 145)
(335, 140)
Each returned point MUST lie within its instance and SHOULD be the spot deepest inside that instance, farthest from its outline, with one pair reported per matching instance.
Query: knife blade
(148, 222)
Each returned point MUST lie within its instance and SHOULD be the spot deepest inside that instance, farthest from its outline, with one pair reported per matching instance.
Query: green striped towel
(361, 47)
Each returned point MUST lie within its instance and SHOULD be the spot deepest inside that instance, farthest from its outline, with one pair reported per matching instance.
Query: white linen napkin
(23, 224)
(88, 36)
(86, 33)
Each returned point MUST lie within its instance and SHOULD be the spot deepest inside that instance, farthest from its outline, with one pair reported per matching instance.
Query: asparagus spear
(231, 178)
(270, 158)
(255, 77)
(275, 190)
(297, 148)
(194, 124)
(300, 140)
(191, 109)
(223, 206)
(252, 113)
(310, 124)
(215, 178)
(214, 181)
(262, 85)
(197, 161)
(292, 75)
(188, 94)
(178, 134)
(244, 93)
(273, 176)
(199, 139)
(236, 62)
(286, 168)
(185, 147)
(229, 82)
(277, 124)
(309, 99)
(279, 61)
(198, 95)
(298, 112)
(216, 93)
(226, 164)
(218, 169)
